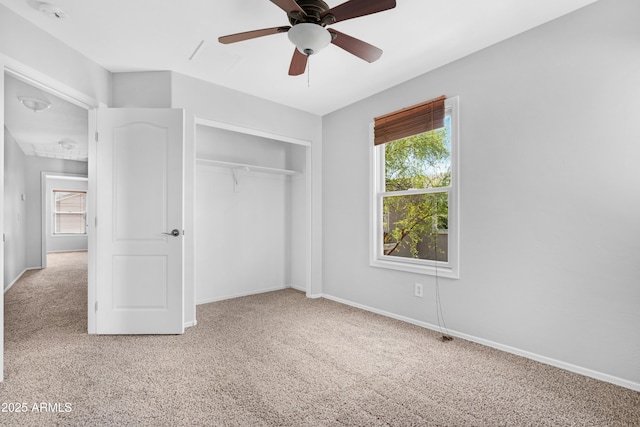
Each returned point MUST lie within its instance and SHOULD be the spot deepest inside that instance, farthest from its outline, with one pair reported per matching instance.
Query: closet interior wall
(251, 205)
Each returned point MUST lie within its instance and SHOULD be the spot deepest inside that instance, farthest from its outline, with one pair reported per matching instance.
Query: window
(414, 208)
(69, 212)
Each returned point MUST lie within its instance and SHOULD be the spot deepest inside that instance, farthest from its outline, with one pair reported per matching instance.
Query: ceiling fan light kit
(308, 32)
(309, 38)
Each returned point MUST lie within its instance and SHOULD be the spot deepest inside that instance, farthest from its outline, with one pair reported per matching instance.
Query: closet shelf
(247, 167)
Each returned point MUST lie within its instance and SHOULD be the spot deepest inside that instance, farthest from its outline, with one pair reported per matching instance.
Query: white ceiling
(40, 133)
(416, 36)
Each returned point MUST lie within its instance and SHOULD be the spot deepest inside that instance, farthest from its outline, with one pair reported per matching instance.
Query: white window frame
(54, 213)
(449, 268)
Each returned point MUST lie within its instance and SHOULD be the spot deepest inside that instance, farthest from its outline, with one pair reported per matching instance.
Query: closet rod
(255, 168)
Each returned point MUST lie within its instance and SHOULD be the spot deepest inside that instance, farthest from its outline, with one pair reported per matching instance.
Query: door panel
(139, 200)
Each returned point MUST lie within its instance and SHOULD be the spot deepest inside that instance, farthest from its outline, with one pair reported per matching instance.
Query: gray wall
(34, 168)
(23, 218)
(15, 226)
(143, 89)
(549, 200)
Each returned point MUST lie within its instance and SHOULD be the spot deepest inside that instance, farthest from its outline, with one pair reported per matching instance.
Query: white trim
(250, 131)
(508, 349)
(411, 266)
(243, 294)
(20, 277)
(449, 269)
(43, 82)
(412, 192)
(308, 294)
(190, 324)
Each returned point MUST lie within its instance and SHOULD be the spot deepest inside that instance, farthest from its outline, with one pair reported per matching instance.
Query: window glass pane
(415, 226)
(70, 208)
(419, 161)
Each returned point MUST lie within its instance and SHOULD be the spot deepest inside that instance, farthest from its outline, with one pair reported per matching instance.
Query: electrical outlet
(418, 290)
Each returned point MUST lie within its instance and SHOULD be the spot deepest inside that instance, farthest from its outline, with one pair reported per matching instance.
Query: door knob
(175, 232)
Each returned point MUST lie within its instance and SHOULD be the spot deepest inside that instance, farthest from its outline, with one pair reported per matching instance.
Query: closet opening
(252, 216)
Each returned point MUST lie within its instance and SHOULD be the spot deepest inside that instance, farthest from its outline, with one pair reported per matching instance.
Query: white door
(139, 277)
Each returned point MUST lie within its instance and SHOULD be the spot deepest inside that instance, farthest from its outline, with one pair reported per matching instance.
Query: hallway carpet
(274, 359)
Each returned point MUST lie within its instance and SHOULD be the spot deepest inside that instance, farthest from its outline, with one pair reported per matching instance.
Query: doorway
(20, 192)
(45, 135)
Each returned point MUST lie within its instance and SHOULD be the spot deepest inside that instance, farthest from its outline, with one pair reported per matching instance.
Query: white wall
(34, 168)
(242, 237)
(15, 226)
(143, 89)
(549, 195)
(25, 46)
(62, 243)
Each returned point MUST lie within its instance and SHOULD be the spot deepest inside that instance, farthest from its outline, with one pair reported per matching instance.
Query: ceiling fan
(308, 19)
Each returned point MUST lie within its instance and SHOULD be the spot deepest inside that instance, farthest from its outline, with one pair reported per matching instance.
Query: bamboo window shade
(409, 121)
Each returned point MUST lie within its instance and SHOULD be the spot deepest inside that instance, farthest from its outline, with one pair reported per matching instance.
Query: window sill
(429, 270)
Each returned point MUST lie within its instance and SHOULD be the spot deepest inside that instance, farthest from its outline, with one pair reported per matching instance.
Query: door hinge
(96, 136)
(96, 307)
(96, 221)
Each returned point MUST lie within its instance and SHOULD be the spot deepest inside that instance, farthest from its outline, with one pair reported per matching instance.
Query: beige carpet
(276, 359)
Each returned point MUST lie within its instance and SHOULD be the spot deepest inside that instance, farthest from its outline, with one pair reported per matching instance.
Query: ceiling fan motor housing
(314, 10)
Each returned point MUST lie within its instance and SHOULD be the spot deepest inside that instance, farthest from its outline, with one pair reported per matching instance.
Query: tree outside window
(414, 209)
(415, 223)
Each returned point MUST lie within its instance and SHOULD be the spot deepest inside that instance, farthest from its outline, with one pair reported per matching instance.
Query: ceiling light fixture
(52, 11)
(34, 104)
(309, 38)
(68, 144)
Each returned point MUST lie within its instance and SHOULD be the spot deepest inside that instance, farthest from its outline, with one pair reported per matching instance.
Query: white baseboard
(304, 289)
(242, 294)
(538, 358)
(19, 277)
(190, 324)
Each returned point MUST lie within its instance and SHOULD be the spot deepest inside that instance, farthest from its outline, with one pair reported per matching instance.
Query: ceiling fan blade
(298, 63)
(233, 38)
(355, 8)
(289, 6)
(357, 47)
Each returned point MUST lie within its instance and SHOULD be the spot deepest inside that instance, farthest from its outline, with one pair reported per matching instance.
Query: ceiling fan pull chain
(308, 70)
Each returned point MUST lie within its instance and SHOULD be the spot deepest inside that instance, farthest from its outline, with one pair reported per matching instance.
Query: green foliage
(417, 162)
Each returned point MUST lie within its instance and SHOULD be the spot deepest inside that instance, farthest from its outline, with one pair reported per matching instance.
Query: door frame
(10, 66)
